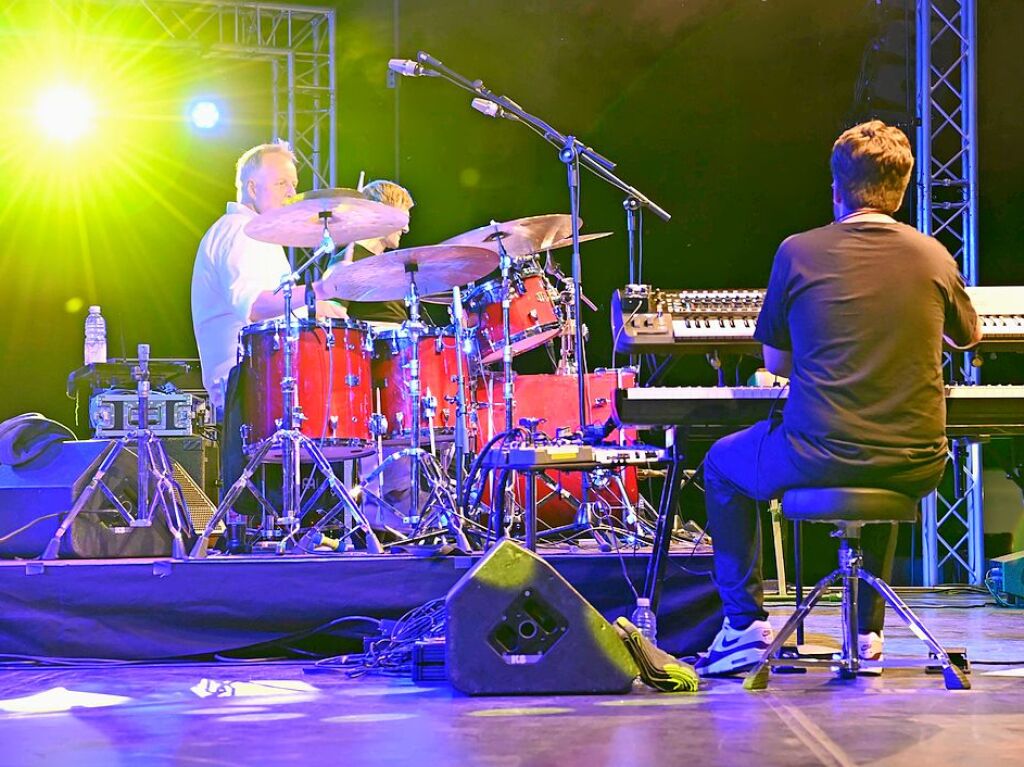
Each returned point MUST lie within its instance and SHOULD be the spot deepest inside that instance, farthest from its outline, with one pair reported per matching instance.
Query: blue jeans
(751, 467)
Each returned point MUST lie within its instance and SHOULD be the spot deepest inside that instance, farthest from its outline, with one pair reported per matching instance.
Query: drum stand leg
(311, 539)
(440, 513)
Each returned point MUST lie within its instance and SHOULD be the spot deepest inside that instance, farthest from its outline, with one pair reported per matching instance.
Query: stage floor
(283, 714)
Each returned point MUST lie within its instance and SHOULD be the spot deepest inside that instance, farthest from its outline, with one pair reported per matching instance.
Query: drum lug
(429, 405)
(244, 431)
(332, 424)
(352, 380)
(601, 402)
(277, 341)
(378, 424)
(532, 314)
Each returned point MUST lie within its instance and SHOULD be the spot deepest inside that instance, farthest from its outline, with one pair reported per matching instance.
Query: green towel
(658, 669)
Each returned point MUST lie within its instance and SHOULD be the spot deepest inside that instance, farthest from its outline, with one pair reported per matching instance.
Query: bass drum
(333, 368)
(555, 398)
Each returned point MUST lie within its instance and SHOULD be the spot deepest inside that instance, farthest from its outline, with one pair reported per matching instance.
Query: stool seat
(848, 504)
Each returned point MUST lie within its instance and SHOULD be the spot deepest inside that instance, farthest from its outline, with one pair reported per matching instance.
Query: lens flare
(65, 113)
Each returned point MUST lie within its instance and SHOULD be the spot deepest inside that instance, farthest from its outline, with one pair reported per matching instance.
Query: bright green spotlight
(65, 113)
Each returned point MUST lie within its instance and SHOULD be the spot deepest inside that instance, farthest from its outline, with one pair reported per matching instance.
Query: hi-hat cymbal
(385, 277)
(298, 223)
(567, 242)
(520, 236)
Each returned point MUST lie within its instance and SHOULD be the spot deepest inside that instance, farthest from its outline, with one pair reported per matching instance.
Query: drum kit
(322, 391)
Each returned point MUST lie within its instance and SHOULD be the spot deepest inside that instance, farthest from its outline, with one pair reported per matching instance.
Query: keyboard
(982, 410)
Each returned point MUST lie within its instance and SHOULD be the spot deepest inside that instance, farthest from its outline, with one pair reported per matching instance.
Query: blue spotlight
(205, 115)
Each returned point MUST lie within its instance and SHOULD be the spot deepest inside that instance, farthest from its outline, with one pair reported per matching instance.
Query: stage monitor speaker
(516, 627)
(35, 496)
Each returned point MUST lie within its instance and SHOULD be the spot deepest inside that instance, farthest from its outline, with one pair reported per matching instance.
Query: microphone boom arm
(596, 163)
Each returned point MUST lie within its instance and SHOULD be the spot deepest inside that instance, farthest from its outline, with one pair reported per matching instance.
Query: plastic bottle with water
(645, 620)
(95, 337)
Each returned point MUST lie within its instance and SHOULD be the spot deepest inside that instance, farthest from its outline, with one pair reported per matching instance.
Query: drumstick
(362, 178)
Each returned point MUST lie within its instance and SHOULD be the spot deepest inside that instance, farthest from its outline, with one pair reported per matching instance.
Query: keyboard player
(854, 315)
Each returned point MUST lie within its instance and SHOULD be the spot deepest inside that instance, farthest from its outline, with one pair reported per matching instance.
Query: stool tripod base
(850, 663)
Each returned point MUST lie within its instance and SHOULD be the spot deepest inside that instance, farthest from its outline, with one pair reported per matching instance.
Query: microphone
(410, 68)
(491, 109)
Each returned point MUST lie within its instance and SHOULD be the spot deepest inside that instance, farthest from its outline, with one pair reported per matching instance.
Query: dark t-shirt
(862, 307)
(375, 311)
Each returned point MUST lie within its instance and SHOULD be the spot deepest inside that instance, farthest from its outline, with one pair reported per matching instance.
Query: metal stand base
(849, 663)
(309, 541)
(165, 497)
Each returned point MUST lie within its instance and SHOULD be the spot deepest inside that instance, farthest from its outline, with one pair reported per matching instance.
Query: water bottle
(645, 620)
(95, 337)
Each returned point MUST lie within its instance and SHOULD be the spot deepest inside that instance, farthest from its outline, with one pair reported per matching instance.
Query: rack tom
(438, 382)
(534, 316)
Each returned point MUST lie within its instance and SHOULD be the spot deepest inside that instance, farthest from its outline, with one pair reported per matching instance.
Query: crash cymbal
(385, 277)
(520, 236)
(298, 222)
(446, 299)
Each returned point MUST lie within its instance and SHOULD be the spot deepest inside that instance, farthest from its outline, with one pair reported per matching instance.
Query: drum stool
(849, 509)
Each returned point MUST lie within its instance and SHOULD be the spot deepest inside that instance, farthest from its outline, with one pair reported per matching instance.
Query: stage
(162, 608)
(244, 714)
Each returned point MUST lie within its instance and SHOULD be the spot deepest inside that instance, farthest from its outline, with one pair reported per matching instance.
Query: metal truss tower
(947, 208)
(297, 41)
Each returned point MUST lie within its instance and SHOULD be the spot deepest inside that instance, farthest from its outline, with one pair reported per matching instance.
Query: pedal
(957, 656)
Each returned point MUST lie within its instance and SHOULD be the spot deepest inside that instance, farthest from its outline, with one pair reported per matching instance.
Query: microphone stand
(574, 154)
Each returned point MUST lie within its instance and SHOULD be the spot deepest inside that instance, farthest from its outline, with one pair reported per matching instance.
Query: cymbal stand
(441, 507)
(155, 473)
(505, 264)
(293, 442)
(461, 432)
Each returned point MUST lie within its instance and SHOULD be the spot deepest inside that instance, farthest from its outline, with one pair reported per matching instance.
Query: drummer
(380, 314)
(234, 283)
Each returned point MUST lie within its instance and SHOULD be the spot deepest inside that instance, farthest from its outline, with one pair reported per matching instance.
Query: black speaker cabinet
(35, 496)
(515, 626)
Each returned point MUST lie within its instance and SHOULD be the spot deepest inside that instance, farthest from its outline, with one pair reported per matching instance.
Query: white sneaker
(735, 650)
(870, 647)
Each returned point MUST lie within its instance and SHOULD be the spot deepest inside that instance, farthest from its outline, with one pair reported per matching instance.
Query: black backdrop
(721, 110)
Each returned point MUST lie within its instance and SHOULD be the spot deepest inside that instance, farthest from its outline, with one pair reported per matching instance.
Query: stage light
(65, 112)
(205, 115)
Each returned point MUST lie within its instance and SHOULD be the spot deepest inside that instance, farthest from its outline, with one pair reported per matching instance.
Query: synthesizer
(970, 410)
(649, 320)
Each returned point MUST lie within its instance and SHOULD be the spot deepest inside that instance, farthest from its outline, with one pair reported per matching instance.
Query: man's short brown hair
(389, 193)
(871, 165)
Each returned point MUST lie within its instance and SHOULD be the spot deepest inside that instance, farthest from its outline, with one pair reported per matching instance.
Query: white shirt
(230, 272)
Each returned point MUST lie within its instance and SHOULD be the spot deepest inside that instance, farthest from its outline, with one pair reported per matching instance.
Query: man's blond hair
(871, 165)
(251, 160)
(389, 193)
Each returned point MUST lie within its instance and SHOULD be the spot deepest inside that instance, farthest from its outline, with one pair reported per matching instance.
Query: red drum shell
(438, 379)
(334, 384)
(533, 316)
(555, 398)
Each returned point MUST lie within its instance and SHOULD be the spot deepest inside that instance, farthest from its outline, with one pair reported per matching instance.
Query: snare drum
(533, 316)
(438, 381)
(333, 371)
